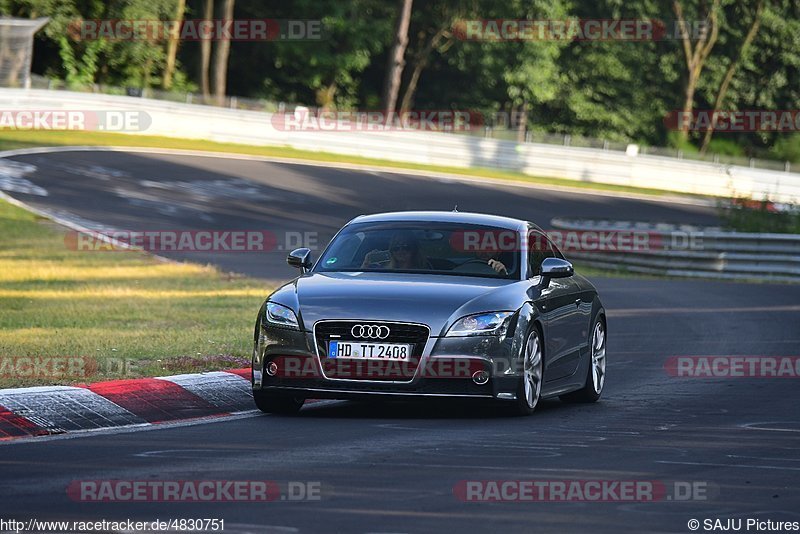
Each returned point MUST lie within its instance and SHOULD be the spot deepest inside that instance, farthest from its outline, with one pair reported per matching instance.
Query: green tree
(139, 62)
(397, 61)
(84, 61)
(172, 45)
(431, 30)
(615, 90)
(80, 59)
(696, 49)
(354, 33)
(741, 44)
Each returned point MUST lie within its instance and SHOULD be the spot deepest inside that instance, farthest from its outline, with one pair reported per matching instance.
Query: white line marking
(767, 459)
(218, 388)
(133, 428)
(753, 426)
(183, 453)
(66, 408)
(493, 468)
(732, 466)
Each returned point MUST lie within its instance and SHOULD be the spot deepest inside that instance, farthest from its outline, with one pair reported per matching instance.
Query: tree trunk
(420, 62)
(172, 45)
(13, 62)
(221, 58)
(394, 70)
(326, 95)
(696, 56)
(522, 125)
(728, 78)
(688, 104)
(205, 53)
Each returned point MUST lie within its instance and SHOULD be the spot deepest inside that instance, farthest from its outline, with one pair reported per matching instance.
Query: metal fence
(688, 252)
(184, 97)
(488, 131)
(594, 165)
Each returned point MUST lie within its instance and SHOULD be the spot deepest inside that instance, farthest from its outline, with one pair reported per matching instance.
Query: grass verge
(14, 139)
(69, 317)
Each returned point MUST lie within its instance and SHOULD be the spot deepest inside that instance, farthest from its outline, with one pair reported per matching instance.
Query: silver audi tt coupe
(431, 304)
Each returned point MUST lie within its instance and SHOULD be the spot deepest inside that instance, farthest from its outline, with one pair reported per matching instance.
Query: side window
(539, 248)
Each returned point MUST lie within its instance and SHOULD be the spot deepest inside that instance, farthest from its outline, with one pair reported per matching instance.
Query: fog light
(480, 377)
(272, 369)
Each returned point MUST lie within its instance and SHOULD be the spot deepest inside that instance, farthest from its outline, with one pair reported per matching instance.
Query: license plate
(369, 351)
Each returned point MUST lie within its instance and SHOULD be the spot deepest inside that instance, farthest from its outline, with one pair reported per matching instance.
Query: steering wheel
(469, 267)
(474, 260)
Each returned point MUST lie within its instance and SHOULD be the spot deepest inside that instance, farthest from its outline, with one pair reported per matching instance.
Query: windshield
(420, 247)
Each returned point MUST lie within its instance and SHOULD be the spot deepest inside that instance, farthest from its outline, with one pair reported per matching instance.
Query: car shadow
(428, 409)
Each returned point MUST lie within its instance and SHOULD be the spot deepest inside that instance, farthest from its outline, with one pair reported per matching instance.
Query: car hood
(434, 300)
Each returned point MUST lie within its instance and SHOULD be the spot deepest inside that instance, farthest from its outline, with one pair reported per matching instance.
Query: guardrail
(491, 129)
(685, 251)
(571, 163)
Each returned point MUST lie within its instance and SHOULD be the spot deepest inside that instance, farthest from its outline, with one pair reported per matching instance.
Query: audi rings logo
(370, 331)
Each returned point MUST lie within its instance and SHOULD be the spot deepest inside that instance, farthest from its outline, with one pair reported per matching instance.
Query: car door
(582, 294)
(561, 312)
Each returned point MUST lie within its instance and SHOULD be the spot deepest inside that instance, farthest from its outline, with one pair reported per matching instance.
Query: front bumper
(444, 369)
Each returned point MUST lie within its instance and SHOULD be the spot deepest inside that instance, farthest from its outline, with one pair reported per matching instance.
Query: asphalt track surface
(392, 467)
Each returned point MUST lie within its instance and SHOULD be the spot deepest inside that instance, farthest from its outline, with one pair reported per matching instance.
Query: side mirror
(556, 268)
(300, 258)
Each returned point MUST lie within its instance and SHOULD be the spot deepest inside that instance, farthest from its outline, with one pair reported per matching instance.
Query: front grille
(414, 334)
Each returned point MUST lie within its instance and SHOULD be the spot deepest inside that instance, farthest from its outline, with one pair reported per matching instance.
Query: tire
(596, 372)
(277, 404)
(529, 389)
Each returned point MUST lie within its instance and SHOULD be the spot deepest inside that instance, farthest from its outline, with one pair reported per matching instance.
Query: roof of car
(443, 216)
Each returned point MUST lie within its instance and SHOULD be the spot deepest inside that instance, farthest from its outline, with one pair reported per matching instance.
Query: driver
(404, 253)
(494, 259)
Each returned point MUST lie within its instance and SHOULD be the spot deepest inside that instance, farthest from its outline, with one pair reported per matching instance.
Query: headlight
(482, 324)
(281, 316)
